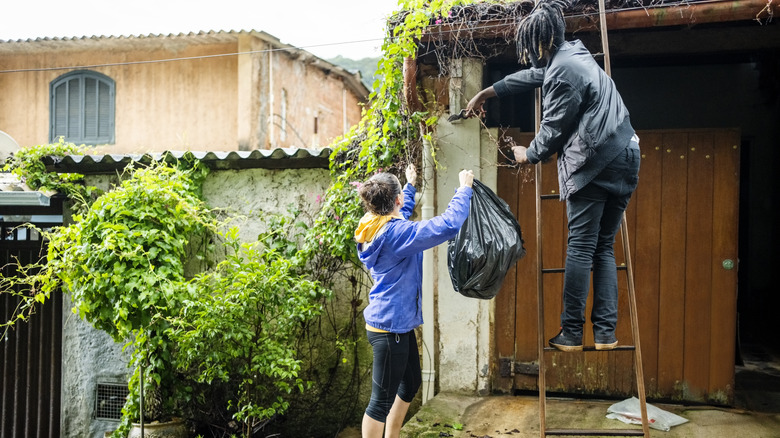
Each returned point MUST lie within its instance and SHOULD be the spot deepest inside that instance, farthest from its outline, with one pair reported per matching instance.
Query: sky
(326, 28)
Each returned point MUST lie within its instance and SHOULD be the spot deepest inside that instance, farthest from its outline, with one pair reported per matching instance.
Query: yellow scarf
(370, 224)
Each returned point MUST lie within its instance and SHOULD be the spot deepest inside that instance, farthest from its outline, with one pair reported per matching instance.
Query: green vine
(27, 165)
(389, 135)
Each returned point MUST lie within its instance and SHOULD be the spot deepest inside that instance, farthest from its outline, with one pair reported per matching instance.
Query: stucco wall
(463, 324)
(91, 357)
(187, 104)
(202, 95)
(251, 194)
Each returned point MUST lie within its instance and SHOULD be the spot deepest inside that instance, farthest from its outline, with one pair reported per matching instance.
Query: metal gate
(31, 352)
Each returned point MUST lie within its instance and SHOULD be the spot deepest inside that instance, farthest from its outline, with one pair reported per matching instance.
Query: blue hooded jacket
(394, 259)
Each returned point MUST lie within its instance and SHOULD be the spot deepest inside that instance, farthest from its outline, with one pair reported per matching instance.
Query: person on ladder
(584, 121)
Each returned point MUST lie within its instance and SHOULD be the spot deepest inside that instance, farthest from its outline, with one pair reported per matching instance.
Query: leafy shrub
(238, 328)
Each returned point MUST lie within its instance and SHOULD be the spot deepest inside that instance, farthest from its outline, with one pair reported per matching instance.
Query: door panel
(682, 224)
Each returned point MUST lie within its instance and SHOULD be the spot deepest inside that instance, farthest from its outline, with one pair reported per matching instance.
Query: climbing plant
(389, 134)
(388, 137)
(27, 164)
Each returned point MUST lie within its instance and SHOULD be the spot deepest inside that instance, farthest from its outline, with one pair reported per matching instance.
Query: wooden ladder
(541, 343)
(640, 382)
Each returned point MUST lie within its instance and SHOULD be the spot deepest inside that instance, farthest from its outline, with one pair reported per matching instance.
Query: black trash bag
(487, 245)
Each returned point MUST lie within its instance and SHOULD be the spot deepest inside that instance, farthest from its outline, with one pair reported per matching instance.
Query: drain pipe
(428, 339)
(427, 212)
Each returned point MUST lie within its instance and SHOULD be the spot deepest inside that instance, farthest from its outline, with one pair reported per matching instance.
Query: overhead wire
(287, 49)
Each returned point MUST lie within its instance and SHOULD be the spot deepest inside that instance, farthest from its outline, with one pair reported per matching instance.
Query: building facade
(221, 91)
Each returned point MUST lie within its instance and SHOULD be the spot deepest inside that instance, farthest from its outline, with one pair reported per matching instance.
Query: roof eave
(280, 158)
(718, 11)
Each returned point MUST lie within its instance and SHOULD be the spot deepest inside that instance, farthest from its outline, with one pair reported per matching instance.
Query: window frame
(81, 137)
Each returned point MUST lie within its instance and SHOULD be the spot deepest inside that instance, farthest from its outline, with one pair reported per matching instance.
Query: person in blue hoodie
(391, 247)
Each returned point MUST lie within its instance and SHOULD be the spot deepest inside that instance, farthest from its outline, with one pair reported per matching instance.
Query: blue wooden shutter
(82, 108)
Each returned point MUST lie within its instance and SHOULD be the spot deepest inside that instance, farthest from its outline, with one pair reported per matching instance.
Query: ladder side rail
(627, 252)
(640, 375)
(541, 381)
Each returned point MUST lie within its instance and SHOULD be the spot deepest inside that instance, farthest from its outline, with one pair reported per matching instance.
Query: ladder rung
(562, 270)
(593, 348)
(553, 271)
(594, 432)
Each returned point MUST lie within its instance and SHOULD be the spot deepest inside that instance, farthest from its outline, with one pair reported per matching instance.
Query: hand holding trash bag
(487, 245)
(466, 178)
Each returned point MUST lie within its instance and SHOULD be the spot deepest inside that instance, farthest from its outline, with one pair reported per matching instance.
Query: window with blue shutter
(82, 108)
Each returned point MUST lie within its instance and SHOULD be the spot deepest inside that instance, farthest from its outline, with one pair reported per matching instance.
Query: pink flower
(336, 217)
(319, 199)
(438, 21)
(357, 184)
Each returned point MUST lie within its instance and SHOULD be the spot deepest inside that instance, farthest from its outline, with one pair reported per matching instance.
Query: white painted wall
(253, 193)
(464, 324)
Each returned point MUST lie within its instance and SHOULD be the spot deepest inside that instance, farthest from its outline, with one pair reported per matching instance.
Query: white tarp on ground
(628, 411)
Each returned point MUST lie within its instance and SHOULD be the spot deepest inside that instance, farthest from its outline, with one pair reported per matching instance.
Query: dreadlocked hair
(542, 29)
(379, 192)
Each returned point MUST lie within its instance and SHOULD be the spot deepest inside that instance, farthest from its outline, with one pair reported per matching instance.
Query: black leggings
(396, 371)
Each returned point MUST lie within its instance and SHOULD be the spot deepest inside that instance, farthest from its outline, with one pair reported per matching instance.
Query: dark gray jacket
(584, 119)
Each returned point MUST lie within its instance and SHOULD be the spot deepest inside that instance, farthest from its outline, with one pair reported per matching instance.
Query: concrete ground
(462, 416)
(756, 415)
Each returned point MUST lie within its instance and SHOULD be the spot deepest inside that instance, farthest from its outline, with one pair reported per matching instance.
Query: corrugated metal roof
(280, 158)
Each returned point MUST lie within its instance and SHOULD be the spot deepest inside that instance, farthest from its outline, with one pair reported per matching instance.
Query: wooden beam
(676, 15)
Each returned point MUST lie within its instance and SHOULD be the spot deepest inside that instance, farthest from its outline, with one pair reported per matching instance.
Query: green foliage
(123, 261)
(334, 358)
(239, 325)
(123, 264)
(389, 135)
(27, 165)
(27, 296)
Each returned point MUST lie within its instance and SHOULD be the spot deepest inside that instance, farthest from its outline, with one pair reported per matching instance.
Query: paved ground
(757, 397)
(757, 415)
(460, 416)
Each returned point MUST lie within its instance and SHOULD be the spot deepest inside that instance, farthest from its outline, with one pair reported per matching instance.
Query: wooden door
(682, 223)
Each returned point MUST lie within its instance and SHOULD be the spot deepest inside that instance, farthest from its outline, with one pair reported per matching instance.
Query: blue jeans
(594, 214)
(396, 371)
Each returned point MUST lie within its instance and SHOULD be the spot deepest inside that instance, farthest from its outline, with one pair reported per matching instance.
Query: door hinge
(508, 367)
